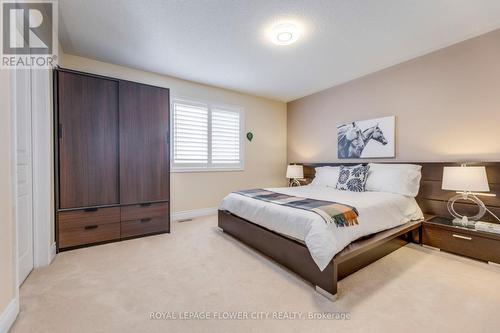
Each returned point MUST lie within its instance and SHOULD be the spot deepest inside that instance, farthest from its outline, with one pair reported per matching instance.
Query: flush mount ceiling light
(284, 33)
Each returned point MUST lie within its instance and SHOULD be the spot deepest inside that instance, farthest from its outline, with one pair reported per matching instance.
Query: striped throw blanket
(332, 212)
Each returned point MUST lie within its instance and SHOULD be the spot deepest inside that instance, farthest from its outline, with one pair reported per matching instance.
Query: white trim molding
(494, 264)
(8, 317)
(191, 214)
(53, 251)
(43, 217)
(431, 247)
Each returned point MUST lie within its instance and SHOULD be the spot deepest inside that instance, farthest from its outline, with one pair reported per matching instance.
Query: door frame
(44, 246)
(13, 181)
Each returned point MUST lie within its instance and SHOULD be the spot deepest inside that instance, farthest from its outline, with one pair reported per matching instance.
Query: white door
(24, 172)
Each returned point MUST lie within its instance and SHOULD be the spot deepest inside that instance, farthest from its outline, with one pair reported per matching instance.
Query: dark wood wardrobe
(112, 159)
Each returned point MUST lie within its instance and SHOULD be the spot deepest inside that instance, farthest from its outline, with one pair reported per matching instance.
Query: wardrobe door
(88, 141)
(144, 147)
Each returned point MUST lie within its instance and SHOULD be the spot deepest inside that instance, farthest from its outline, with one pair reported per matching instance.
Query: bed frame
(295, 256)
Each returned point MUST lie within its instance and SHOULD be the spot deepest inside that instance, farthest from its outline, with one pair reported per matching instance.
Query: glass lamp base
(462, 220)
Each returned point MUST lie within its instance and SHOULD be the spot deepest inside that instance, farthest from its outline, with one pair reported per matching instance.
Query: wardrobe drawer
(88, 234)
(468, 244)
(137, 212)
(144, 226)
(85, 217)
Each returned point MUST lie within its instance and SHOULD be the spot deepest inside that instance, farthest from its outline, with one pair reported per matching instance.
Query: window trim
(175, 168)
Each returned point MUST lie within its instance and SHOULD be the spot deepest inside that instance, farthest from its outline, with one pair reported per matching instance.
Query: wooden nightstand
(440, 233)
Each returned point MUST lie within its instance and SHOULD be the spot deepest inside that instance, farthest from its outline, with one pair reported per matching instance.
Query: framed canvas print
(373, 138)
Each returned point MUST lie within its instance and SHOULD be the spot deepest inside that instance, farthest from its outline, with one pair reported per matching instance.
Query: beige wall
(265, 156)
(447, 107)
(6, 221)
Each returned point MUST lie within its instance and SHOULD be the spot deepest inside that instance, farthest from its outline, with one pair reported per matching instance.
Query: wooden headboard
(431, 198)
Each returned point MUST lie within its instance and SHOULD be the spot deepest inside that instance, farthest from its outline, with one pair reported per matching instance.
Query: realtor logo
(29, 34)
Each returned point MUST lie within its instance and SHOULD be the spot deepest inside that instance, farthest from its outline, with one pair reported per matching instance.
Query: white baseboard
(8, 317)
(191, 214)
(52, 252)
(431, 247)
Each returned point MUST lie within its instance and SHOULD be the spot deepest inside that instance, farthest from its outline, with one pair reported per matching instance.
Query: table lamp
(294, 173)
(466, 180)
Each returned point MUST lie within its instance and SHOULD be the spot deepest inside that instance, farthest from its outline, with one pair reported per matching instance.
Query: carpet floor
(198, 272)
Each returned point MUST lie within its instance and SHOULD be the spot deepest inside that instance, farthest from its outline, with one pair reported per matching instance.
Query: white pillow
(326, 176)
(394, 178)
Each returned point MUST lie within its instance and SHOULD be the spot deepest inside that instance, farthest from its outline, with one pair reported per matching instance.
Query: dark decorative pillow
(352, 178)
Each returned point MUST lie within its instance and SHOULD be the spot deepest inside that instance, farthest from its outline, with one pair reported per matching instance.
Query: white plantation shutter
(226, 139)
(190, 134)
(206, 137)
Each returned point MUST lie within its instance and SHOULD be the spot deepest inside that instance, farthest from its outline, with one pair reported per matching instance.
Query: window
(190, 134)
(206, 137)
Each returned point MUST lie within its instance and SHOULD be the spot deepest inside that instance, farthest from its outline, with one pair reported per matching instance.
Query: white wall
(447, 107)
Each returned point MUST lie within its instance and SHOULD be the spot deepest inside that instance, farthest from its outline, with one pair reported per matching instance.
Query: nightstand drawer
(462, 242)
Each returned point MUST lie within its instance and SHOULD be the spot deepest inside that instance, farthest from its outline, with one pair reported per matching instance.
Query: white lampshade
(295, 172)
(465, 178)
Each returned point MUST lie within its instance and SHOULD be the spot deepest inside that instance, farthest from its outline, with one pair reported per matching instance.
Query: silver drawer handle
(462, 237)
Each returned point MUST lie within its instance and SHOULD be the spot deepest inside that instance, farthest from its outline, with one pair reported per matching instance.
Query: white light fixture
(294, 173)
(284, 33)
(466, 179)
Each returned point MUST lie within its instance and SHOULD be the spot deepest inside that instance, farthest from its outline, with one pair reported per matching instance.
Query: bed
(322, 254)
(324, 241)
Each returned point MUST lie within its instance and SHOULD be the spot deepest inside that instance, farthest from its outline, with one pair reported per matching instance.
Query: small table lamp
(294, 173)
(465, 180)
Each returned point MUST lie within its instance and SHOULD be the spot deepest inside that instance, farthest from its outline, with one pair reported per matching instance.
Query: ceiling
(224, 43)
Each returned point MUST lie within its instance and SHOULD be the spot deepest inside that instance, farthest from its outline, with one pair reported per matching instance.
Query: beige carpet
(115, 287)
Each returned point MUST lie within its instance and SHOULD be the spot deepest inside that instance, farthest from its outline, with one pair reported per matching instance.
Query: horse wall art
(372, 138)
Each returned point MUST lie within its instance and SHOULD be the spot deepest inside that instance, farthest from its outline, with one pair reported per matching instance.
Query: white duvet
(378, 211)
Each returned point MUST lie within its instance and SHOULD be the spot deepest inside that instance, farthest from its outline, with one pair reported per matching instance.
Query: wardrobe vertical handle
(59, 131)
